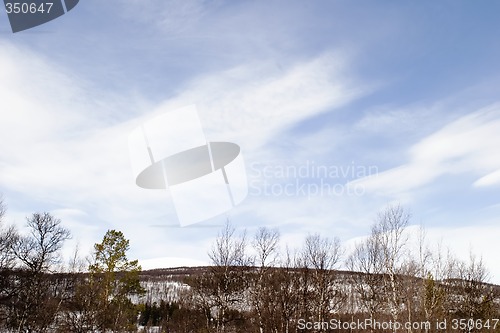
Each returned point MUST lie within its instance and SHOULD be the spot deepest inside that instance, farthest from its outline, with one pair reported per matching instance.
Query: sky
(340, 108)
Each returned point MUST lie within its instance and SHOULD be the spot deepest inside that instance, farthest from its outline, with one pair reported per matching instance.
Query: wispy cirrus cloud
(491, 179)
(172, 17)
(62, 151)
(467, 145)
(263, 98)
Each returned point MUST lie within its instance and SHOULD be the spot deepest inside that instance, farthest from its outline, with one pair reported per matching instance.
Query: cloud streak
(70, 159)
(467, 145)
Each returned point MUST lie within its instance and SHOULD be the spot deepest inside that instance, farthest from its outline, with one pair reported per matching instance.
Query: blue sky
(409, 90)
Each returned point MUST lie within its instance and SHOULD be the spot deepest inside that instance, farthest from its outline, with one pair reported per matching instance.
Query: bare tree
(221, 292)
(419, 294)
(262, 292)
(37, 302)
(229, 250)
(321, 255)
(78, 314)
(39, 251)
(389, 230)
(266, 244)
(476, 300)
(431, 291)
(366, 259)
(288, 291)
(8, 237)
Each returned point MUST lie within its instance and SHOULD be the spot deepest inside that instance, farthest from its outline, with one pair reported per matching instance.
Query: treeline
(255, 284)
(38, 293)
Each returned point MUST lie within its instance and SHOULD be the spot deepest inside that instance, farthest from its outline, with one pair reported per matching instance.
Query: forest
(389, 281)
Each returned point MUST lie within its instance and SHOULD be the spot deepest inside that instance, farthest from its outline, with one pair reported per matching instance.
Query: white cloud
(467, 145)
(59, 149)
(171, 16)
(252, 103)
(491, 179)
